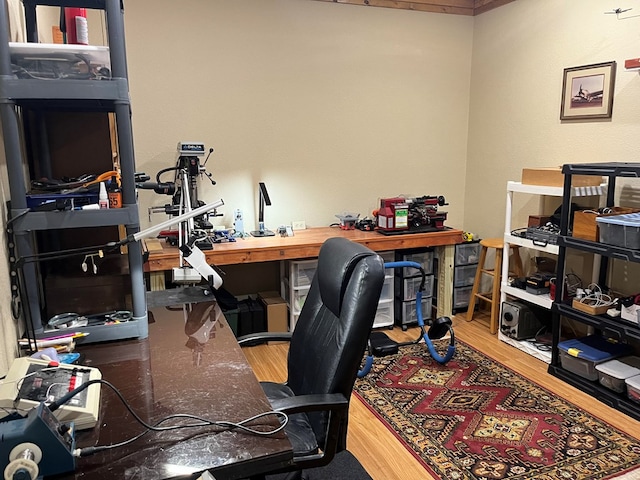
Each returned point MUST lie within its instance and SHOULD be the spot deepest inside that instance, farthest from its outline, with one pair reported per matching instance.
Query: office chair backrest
(331, 334)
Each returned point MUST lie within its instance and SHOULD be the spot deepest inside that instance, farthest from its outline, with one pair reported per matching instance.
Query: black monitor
(264, 200)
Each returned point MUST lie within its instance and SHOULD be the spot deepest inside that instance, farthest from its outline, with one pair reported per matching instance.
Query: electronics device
(36, 445)
(31, 381)
(518, 321)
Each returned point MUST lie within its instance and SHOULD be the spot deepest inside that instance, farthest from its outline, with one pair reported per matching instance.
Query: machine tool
(348, 220)
(184, 187)
(196, 231)
(411, 214)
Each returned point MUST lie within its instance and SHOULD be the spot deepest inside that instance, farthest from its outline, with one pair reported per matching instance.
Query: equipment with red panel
(411, 214)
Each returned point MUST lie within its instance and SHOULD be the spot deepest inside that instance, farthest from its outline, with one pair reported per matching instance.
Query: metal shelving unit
(617, 328)
(110, 95)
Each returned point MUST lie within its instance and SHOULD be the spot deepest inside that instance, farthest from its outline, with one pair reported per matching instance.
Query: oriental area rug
(476, 419)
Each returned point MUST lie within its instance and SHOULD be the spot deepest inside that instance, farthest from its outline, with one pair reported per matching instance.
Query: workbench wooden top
(304, 244)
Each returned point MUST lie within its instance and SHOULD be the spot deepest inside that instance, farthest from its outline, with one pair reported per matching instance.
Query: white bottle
(103, 198)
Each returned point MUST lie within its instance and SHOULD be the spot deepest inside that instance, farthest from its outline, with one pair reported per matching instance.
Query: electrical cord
(597, 298)
(201, 422)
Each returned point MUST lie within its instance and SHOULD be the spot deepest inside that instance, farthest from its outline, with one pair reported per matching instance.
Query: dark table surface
(192, 364)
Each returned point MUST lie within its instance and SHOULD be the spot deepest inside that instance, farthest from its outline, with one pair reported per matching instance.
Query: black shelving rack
(615, 328)
(75, 95)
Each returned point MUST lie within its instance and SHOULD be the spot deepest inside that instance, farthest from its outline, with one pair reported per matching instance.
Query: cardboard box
(277, 312)
(553, 177)
(585, 225)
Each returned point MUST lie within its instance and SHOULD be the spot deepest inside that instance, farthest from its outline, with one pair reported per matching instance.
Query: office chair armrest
(311, 403)
(261, 337)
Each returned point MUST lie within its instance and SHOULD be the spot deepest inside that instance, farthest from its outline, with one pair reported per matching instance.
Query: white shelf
(534, 189)
(543, 300)
(527, 243)
(526, 347)
(590, 191)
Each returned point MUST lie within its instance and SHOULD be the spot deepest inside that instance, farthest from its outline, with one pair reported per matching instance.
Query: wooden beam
(460, 7)
(455, 7)
(482, 6)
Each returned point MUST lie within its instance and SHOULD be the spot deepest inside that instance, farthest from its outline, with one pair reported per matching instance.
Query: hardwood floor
(379, 451)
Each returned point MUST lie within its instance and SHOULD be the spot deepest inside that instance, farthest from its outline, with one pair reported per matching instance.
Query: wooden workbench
(306, 244)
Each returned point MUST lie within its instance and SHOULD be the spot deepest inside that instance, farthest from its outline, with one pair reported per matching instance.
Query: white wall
(519, 53)
(332, 106)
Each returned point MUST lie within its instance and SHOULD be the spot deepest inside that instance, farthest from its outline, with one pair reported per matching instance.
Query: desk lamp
(264, 200)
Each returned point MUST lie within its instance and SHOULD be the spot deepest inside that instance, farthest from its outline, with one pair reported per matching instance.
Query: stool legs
(476, 283)
(492, 297)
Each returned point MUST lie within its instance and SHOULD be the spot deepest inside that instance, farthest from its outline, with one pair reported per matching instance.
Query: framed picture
(587, 91)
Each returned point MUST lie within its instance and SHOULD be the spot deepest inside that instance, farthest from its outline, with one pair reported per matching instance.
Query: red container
(75, 20)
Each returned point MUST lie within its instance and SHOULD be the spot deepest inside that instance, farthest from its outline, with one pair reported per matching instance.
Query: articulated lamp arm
(191, 253)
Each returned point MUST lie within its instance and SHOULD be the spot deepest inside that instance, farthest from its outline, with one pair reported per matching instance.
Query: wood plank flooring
(379, 451)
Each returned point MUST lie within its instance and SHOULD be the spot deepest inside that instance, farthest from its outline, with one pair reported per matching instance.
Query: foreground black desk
(170, 373)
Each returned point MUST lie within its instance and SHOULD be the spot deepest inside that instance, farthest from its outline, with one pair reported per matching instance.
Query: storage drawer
(620, 230)
(612, 374)
(388, 256)
(302, 272)
(409, 287)
(581, 355)
(384, 314)
(467, 253)
(633, 388)
(387, 288)
(409, 315)
(461, 297)
(423, 258)
(464, 275)
(299, 297)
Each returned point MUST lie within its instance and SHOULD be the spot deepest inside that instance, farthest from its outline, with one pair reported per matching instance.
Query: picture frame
(587, 91)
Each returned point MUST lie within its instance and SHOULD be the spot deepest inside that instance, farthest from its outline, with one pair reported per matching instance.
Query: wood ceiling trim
(455, 7)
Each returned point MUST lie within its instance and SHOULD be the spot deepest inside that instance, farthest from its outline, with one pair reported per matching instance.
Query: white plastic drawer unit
(467, 253)
(411, 285)
(387, 288)
(384, 314)
(299, 297)
(302, 272)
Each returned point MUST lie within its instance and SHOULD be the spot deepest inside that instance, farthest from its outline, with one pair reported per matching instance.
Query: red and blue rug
(476, 419)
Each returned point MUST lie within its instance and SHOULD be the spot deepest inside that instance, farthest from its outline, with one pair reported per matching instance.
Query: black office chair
(326, 349)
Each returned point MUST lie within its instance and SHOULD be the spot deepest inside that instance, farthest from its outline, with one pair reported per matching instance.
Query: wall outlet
(298, 225)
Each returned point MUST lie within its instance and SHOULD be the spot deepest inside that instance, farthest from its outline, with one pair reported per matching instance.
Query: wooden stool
(492, 297)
